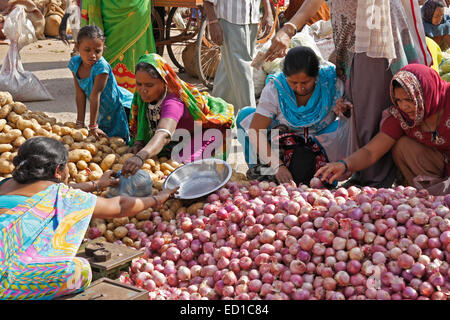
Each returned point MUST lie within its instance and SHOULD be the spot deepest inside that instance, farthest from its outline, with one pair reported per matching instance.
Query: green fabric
(128, 30)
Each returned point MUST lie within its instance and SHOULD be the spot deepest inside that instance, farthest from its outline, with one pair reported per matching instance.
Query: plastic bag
(138, 185)
(23, 85)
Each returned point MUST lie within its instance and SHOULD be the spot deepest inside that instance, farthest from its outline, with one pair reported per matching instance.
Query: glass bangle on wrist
(137, 156)
(158, 203)
(290, 24)
(93, 126)
(345, 164)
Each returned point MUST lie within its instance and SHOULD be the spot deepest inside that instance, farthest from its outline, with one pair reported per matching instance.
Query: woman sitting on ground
(43, 221)
(301, 98)
(416, 128)
(164, 103)
(436, 23)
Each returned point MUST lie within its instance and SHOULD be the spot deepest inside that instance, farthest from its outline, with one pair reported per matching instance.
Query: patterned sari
(128, 30)
(38, 243)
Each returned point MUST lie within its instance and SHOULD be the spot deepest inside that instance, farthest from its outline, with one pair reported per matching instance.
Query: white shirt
(237, 11)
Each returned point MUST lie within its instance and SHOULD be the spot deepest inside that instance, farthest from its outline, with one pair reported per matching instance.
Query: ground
(48, 60)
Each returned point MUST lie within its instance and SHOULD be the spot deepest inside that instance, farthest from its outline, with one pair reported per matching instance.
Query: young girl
(94, 80)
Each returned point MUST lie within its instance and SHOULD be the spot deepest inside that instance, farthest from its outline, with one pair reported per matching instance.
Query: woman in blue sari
(301, 98)
(43, 221)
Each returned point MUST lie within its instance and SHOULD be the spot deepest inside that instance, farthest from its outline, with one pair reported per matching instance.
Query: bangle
(137, 156)
(345, 164)
(281, 165)
(96, 186)
(81, 123)
(165, 131)
(93, 126)
(213, 21)
(158, 203)
(292, 26)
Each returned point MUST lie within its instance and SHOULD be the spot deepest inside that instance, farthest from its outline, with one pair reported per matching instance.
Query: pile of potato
(88, 158)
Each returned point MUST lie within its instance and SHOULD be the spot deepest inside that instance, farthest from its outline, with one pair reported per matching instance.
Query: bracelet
(137, 156)
(158, 203)
(93, 126)
(292, 25)
(81, 123)
(96, 186)
(213, 21)
(345, 164)
(165, 131)
(282, 164)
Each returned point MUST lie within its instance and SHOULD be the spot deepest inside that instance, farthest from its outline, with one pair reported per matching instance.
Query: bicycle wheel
(158, 31)
(181, 28)
(208, 55)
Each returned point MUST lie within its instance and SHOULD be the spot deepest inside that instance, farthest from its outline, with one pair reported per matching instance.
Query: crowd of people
(380, 81)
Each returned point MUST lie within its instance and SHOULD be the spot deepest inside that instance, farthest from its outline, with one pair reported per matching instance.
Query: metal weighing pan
(199, 178)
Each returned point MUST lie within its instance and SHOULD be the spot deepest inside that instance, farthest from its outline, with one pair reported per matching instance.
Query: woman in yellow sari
(128, 30)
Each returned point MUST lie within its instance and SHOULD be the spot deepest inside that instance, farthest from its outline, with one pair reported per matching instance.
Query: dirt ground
(48, 60)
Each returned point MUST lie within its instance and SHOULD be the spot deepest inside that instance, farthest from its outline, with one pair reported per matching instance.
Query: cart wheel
(181, 31)
(158, 31)
(208, 55)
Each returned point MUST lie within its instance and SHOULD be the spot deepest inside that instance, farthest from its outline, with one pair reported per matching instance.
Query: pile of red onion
(270, 241)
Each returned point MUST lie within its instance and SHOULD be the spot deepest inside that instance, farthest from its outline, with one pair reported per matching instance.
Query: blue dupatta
(315, 114)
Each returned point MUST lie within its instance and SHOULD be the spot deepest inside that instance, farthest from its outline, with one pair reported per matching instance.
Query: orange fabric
(294, 5)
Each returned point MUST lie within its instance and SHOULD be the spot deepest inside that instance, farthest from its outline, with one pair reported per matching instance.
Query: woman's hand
(280, 45)
(165, 194)
(98, 133)
(343, 108)
(283, 175)
(108, 179)
(137, 146)
(132, 165)
(331, 172)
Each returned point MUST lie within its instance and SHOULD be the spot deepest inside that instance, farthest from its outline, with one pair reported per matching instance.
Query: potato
(151, 162)
(42, 132)
(52, 121)
(80, 154)
(22, 124)
(84, 132)
(120, 232)
(19, 107)
(67, 139)
(128, 241)
(10, 136)
(109, 235)
(73, 171)
(117, 167)
(156, 167)
(174, 164)
(192, 209)
(81, 165)
(144, 215)
(159, 174)
(97, 159)
(139, 225)
(12, 117)
(117, 141)
(165, 166)
(167, 215)
(2, 124)
(146, 167)
(95, 175)
(77, 135)
(66, 130)
(120, 221)
(106, 149)
(91, 148)
(6, 166)
(5, 110)
(110, 226)
(81, 177)
(7, 128)
(158, 184)
(70, 124)
(35, 125)
(104, 141)
(67, 147)
(175, 204)
(163, 159)
(133, 220)
(108, 162)
(182, 209)
(125, 157)
(5, 155)
(19, 141)
(28, 133)
(5, 147)
(47, 126)
(167, 172)
(91, 139)
(77, 145)
(122, 150)
(5, 98)
(95, 167)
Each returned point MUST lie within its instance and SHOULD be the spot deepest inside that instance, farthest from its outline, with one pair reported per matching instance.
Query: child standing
(94, 80)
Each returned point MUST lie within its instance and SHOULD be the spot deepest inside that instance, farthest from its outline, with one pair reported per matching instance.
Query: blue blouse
(8, 201)
(112, 118)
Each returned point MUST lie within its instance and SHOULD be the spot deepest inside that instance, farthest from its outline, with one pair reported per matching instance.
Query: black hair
(396, 84)
(301, 59)
(147, 67)
(90, 32)
(38, 158)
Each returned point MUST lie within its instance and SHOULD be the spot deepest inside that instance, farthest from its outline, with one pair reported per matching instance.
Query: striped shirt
(237, 11)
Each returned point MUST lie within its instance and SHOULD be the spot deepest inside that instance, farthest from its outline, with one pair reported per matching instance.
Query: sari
(128, 30)
(39, 239)
(210, 112)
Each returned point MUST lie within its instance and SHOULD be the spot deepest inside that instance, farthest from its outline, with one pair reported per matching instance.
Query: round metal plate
(199, 178)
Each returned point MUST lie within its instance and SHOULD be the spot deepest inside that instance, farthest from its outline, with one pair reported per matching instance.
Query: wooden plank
(177, 3)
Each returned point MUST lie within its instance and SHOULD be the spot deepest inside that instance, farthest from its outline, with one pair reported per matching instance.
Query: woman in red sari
(416, 128)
